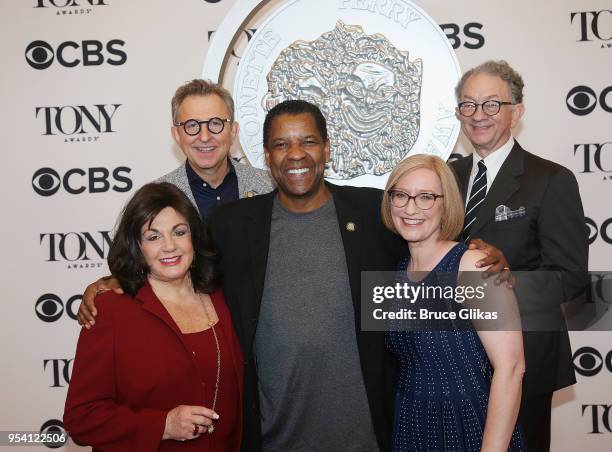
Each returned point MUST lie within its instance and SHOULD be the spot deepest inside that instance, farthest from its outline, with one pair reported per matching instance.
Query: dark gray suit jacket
(551, 236)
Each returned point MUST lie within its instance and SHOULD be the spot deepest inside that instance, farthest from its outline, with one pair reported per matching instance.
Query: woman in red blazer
(162, 368)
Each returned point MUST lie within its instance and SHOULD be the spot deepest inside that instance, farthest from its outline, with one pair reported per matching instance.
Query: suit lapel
(257, 223)
(226, 330)
(154, 306)
(351, 225)
(503, 187)
(463, 168)
(182, 182)
(241, 179)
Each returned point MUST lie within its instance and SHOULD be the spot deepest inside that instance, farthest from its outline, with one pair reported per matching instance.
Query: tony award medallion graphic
(382, 73)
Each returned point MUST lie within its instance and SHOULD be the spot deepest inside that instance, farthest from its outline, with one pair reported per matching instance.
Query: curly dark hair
(295, 107)
(125, 259)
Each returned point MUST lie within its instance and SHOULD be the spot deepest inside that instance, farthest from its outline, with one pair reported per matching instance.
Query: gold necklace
(211, 324)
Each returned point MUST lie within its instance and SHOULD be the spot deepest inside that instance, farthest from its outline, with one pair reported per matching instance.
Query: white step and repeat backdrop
(85, 114)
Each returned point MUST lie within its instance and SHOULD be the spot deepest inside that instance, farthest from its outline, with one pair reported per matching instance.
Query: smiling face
(206, 152)
(166, 246)
(296, 154)
(488, 133)
(413, 224)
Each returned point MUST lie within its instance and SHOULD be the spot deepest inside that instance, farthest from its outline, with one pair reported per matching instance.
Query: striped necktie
(477, 196)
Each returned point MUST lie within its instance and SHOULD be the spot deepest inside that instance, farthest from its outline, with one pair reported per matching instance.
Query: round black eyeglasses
(489, 107)
(194, 127)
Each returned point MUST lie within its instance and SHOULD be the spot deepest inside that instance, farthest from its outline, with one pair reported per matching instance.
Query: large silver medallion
(368, 90)
(382, 72)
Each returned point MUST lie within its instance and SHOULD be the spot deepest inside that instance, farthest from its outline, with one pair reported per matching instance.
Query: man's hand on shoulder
(87, 309)
(494, 262)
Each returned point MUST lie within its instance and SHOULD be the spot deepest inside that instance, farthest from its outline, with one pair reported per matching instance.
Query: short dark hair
(295, 107)
(125, 259)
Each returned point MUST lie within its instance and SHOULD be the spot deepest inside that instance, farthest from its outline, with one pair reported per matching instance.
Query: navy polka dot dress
(444, 381)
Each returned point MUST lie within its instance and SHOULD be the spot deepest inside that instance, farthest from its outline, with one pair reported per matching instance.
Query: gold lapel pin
(350, 226)
(249, 194)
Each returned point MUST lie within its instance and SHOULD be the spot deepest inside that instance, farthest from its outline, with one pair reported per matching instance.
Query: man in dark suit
(530, 208)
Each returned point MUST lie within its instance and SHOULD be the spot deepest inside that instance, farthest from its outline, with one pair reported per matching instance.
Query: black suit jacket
(241, 231)
(551, 236)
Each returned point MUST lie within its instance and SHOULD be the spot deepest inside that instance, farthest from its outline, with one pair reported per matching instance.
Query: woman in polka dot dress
(459, 389)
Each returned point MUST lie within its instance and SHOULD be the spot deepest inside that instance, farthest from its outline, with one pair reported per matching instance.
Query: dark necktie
(477, 196)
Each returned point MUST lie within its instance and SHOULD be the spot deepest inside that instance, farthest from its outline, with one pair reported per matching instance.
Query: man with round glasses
(529, 208)
(205, 130)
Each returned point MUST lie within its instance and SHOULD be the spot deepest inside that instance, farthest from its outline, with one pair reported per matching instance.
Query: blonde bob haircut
(453, 214)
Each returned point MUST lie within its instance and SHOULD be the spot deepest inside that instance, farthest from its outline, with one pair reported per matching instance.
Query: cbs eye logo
(588, 362)
(54, 429)
(49, 307)
(593, 230)
(39, 54)
(46, 182)
(582, 100)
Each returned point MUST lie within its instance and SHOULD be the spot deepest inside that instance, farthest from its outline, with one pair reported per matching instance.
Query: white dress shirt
(493, 162)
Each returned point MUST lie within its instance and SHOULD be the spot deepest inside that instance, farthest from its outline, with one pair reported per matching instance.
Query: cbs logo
(55, 431)
(588, 362)
(593, 230)
(40, 54)
(47, 181)
(50, 308)
(582, 100)
(472, 39)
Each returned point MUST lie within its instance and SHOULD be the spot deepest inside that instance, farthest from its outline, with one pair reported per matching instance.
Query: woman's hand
(181, 422)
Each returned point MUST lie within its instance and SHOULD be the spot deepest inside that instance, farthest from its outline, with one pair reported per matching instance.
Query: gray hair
(200, 87)
(500, 69)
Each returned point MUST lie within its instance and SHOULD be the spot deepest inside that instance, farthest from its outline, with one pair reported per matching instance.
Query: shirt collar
(494, 160)
(192, 176)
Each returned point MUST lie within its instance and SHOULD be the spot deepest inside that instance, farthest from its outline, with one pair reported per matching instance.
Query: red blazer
(132, 368)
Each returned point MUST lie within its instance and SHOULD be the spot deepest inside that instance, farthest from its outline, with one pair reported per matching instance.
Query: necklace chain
(211, 427)
(212, 323)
